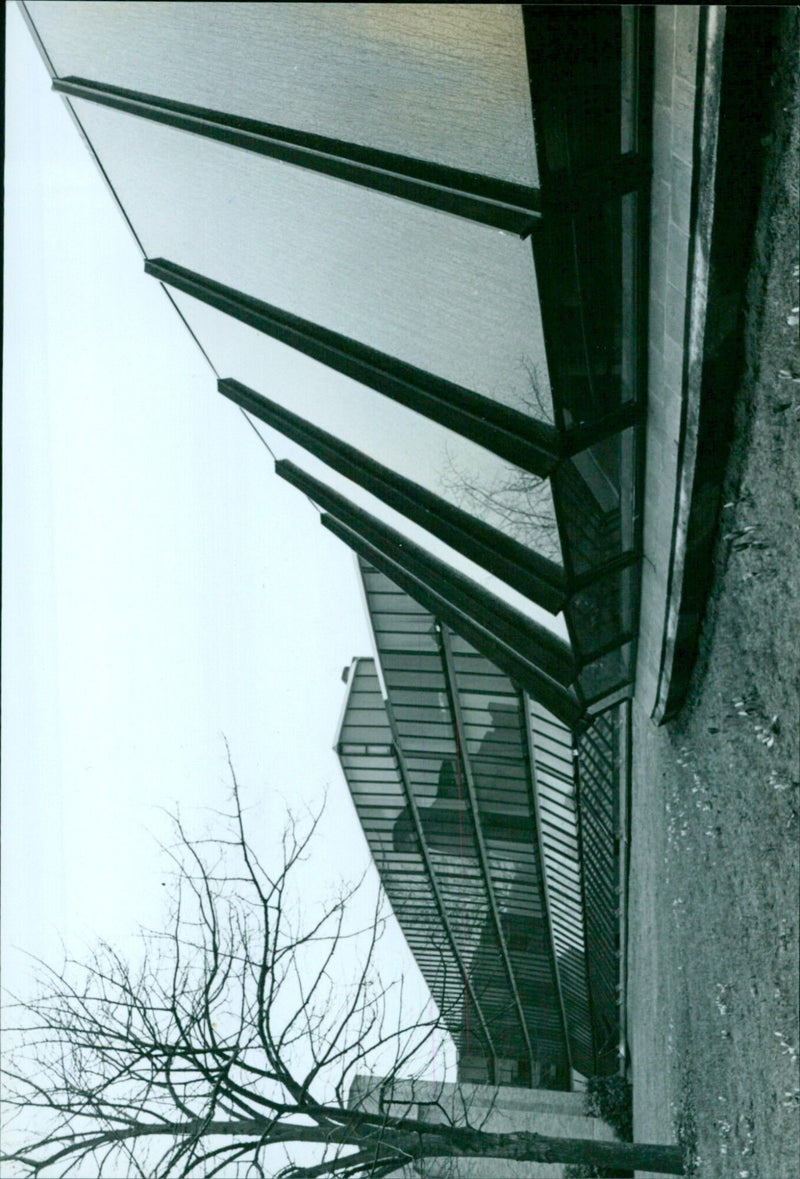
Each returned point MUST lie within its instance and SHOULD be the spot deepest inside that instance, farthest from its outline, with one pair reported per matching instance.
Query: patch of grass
(611, 1098)
(686, 1127)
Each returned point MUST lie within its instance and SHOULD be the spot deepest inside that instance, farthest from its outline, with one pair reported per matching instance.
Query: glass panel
(629, 79)
(435, 291)
(597, 235)
(634, 211)
(606, 674)
(603, 611)
(599, 755)
(519, 502)
(587, 493)
(378, 795)
(496, 746)
(579, 261)
(408, 443)
(441, 82)
(475, 874)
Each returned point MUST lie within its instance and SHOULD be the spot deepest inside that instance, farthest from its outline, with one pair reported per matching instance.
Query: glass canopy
(467, 792)
(298, 163)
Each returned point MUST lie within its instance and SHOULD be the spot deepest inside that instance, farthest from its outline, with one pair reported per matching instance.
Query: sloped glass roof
(445, 82)
(457, 775)
(458, 301)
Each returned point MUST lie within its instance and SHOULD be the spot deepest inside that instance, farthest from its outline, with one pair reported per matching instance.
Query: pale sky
(161, 587)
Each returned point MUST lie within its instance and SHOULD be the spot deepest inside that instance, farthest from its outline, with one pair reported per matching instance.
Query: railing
(598, 785)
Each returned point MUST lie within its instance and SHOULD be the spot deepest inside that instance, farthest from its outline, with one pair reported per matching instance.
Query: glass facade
(492, 822)
(446, 83)
(457, 775)
(438, 292)
(549, 327)
(462, 472)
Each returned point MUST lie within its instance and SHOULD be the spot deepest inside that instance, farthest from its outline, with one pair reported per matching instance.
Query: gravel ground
(715, 883)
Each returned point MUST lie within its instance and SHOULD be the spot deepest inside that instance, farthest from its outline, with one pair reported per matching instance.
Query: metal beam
(488, 200)
(451, 688)
(435, 888)
(581, 437)
(514, 436)
(565, 192)
(557, 699)
(534, 576)
(547, 656)
(544, 891)
(581, 581)
(561, 701)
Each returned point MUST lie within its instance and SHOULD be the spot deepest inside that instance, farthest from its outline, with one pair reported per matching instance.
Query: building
(522, 220)
(493, 829)
(489, 256)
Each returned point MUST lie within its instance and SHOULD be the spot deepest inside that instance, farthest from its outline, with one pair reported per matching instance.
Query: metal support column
(514, 436)
(534, 576)
(488, 200)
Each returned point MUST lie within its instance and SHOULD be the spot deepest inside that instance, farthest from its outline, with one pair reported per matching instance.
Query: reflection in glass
(450, 297)
(443, 82)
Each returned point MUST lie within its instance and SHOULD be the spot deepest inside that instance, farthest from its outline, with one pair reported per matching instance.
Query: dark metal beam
(580, 581)
(514, 436)
(540, 580)
(566, 192)
(485, 199)
(529, 654)
(560, 701)
(451, 685)
(551, 655)
(578, 438)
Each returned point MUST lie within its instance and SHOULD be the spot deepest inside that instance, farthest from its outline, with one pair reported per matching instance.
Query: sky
(162, 589)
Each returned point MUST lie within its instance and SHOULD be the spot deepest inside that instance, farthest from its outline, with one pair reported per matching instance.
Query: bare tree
(517, 502)
(231, 1048)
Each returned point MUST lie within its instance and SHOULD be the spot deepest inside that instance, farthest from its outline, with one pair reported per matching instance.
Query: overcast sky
(161, 587)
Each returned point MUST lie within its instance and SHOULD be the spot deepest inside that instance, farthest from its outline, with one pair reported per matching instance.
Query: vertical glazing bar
(501, 204)
(533, 445)
(539, 579)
